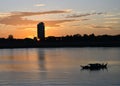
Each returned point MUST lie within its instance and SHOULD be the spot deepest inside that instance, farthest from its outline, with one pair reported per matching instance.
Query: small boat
(95, 66)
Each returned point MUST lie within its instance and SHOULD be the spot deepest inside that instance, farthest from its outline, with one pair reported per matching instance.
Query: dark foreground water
(58, 67)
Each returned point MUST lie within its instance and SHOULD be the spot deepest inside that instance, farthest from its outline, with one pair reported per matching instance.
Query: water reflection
(42, 63)
(58, 67)
(41, 57)
(22, 60)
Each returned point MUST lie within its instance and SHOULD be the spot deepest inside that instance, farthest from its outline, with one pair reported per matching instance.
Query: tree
(10, 36)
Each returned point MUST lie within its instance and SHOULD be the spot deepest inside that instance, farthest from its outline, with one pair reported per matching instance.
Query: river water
(58, 67)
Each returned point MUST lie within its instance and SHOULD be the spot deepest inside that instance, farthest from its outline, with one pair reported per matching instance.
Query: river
(58, 67)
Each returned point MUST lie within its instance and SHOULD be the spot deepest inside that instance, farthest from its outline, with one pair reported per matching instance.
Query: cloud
(113, 18)
(85, 19)
(39, 13)
(3, 15)
(101, 27)
(19, 19)
(112, 22)
(56, 23)
(83, 15)
(39, 5)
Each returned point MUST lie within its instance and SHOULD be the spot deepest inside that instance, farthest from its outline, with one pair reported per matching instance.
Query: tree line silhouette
(75, 40)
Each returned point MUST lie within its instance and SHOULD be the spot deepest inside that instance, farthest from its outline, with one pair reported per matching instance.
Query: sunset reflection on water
(58, 66)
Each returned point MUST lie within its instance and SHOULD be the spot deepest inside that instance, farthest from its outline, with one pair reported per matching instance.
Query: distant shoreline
(60, 45)
(57, 42)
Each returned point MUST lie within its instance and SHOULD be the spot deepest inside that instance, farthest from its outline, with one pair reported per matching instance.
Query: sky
(61, 17)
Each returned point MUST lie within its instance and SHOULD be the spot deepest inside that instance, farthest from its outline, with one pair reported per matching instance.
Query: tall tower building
(41, 31)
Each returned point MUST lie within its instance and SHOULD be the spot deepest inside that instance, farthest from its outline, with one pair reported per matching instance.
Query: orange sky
(60, 19)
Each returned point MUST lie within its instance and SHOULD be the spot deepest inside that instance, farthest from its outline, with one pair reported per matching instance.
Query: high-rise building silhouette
(41, 31)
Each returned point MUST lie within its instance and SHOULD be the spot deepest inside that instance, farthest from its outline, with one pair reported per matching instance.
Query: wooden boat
(95, 66)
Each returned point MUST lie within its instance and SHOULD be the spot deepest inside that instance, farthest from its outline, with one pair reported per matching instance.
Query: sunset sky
(61, 17)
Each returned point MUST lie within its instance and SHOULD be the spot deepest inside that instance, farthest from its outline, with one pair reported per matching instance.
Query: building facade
(41, 31)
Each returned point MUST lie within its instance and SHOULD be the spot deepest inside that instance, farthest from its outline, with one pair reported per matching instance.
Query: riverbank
(57, 44)
(67, 41)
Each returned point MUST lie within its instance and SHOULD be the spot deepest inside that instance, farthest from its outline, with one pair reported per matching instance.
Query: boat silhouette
(95, 66)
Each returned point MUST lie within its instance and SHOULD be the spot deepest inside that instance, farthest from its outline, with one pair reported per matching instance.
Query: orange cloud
(56, 23)
(100, 27)
(17, 18)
